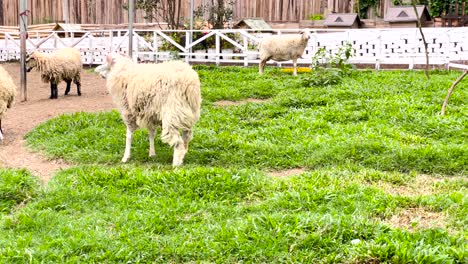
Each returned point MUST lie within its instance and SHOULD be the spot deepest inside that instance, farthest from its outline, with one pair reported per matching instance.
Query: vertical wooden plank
(2, 22)
(77, 11)
(284, 9)
(278, 10)
(82, 17)
(99, 13)
(267, 9)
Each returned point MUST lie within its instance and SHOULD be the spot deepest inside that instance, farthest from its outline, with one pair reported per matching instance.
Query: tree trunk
(423, 38)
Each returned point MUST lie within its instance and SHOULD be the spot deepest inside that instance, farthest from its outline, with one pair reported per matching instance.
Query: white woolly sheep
(283, 48)
(7, 95)
(63, 64)
(151, 95)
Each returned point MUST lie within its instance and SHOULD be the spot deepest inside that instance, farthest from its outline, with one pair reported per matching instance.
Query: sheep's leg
(295, 66)
(261, 65)
(187, 137)
(171, 136)
(179, 153)
(55, 90)
(51, 90)
(68, 87)
(78, 86)
(128, 143)
(151, 132)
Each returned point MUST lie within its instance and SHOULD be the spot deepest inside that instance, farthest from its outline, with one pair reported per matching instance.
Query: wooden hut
(253, 23)
(404, 16)
(342, 20)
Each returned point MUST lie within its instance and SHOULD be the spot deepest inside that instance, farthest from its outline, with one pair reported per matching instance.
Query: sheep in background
(150, 95)
(7, 95)
(283, 48)
(63, 64)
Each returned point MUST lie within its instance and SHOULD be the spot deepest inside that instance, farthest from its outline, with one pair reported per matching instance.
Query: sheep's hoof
(177, 163)
(124, 159)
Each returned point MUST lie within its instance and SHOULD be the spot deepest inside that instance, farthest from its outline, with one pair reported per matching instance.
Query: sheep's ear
(109, 58)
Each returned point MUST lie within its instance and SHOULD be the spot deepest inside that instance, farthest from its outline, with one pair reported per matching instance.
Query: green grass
(374, 127)
(16, 187)
(381, 120)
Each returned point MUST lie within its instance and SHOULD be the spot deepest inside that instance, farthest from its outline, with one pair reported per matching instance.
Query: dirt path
(26, 115)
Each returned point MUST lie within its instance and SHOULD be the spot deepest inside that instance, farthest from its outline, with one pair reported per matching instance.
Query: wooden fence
(112, 11)
(369, 46)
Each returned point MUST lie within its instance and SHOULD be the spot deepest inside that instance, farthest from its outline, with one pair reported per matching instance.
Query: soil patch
(286, 173)
(24, 116)
(413, 219)
(225, 103)
(422, 185)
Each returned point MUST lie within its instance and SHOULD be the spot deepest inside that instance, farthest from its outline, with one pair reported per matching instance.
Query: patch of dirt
(24, 116)
(413, 219)
(286, 173)
(225, 103)
(422, 185)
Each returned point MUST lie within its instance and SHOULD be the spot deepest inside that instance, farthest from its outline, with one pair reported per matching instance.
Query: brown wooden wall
(111, 11)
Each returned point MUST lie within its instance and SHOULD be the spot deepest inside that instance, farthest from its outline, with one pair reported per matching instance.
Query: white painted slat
(458, 66)
(378, 46)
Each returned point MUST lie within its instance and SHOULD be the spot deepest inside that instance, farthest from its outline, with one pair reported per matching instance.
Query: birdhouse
(405, 16)
(342, 20)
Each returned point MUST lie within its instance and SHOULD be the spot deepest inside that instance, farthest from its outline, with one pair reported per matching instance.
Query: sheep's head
(305, 34)
(31, 62)
(105, 68)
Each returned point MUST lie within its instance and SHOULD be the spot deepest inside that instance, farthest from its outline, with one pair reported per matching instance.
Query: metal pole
(23, 21)
(130, 27)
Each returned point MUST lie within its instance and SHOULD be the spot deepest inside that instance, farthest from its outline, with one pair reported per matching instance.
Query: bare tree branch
(444, 105)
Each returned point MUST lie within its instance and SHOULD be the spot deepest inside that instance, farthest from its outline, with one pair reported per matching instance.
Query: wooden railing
(370, 46)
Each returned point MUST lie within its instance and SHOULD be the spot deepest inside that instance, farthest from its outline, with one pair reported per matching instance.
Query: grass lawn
(383, 178)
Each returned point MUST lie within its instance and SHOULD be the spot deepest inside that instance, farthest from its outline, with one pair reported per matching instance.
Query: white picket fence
(370, 46)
